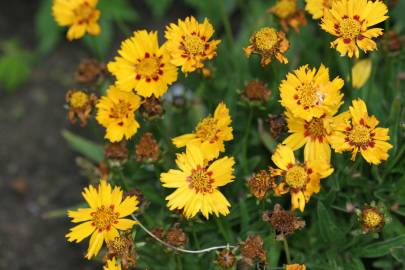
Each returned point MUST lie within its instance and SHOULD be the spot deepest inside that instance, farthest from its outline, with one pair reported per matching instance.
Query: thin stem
(227, 24)
(349, 65)
(245, 141)
(176, 248)
(287, 250)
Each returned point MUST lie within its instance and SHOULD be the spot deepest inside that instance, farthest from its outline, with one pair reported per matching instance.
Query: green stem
(287, 250)
(350, 67)
(227, 25)
(245, 142)
(179, 264)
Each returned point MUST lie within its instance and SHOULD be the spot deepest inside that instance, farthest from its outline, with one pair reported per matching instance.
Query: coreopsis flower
(189, 44)
(252, 250)
(80, 104)
(361, 72)
(361, 134)
(289, 14)
(122, 247)
(80, 15)
(269, 43)
(295, 266)
(197, 183)
(316, 7)
(89, 70)
(147, 149)
(226, 259)
(210, 134)
(112, 265)
(256, 91)
(309, 93)
(260, 183)
(103, 218)
(284, 222)
(314, 134)
(351, 21)
(300, 179)
(116, 112)
(143, 66)
(371, 219)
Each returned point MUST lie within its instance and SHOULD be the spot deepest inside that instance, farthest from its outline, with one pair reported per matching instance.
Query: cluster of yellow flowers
(311, 100)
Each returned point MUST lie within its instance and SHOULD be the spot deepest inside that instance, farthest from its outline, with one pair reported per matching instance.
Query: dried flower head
(269, 43)
(137, 193)
(392, 42)
(158, 232)
(284, 222)
(151, 108)
(289, 14)
(80, 104)
(89, 70)
(260, 183)
(122, 247)
(116, 151)
(175, 236)
(371, 219)
(256, 91)
(147, 148)
(226, 259)
(252, 250)
(278, 125)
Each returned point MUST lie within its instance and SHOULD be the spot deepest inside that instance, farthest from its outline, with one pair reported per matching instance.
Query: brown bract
(268, 43)
(256, 91)
(122, 248)
(89, 70)
(80, 104)
(226, 259)
(147, 149)
(260, 183)
(252, 250)
(284, 222)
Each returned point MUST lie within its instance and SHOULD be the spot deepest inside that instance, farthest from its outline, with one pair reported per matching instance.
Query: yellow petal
(79, 232)
(361, 72)
(125, 224)
(96, 242)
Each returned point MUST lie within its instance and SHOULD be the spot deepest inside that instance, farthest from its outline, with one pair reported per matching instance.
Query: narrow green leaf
(328, 229)
(380, 248)
(46, 29)
(86, 147)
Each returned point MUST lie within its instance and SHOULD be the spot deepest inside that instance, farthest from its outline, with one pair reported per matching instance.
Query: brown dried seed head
(260, 183)
(151, 108)
(147, 148)
(116, 151)
(252, 250)
(284, 222)
(392, 42)
(158, 232)
(226, 259)
(277, 124)
(371, 219)
(89, 70)
(256, 91)
(175, 236)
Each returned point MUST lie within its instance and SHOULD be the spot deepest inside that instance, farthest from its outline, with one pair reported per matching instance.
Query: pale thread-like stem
(176, 248)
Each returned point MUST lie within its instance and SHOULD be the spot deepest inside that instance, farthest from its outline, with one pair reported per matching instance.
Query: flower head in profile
(103, 218)
(112, 265)
(116, 112)
(352, 21)
(80, 15)
(316, 7)
(197, 183)
(314, 134)
(309, 93)
(361, 71)
(210, 134)
(362, 134)
(189, 43)
(289, 14)
(143, 66)
(300, 179)
(269, 43)
(295, 266)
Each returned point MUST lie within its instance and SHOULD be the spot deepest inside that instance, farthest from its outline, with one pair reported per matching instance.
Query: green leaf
(47, 31)
(328, 229)
(86, 147)
(100, 45)
(381, 248)
(119, 10)
(159, 7)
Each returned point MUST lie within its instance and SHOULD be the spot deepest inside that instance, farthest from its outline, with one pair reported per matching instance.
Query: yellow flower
(309, 93)
(300, 179)
(316, 7)
(350, 22)
(295, 266)
(103, 218)
(362, 133)
(143, 66)
(197, 183)
(289, 14)
(112, 265)
(80, 15)
(361, 72)
(314, 134)
(116, 113)
(189, 43)
(210, 133)
(268, 43)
